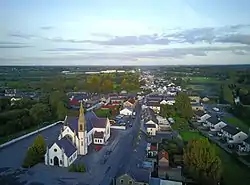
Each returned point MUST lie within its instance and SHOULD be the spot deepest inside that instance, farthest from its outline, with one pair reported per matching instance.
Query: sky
(131, 32)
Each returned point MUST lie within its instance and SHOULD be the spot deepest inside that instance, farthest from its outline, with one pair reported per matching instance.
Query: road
(12, 156)
(121, 154)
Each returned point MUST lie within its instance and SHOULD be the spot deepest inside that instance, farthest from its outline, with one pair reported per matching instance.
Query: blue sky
(131, 32)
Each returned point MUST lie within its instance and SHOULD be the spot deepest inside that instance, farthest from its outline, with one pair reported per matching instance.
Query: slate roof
(199, 113)
(231, 129)
(150, 115)
(153, 103)
(67, 145)
(247, 140)
(213, 120)
(91, 121)
(99, 135)
(150, 125)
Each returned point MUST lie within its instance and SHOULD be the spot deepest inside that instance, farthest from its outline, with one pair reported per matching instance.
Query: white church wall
(66, 131)
(90, 136)
(55, 151)
(107, 135)
(72, 158)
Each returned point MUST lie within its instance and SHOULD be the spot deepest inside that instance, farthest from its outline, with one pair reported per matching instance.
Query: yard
(237, 122)
(233, 171)
(103, 113)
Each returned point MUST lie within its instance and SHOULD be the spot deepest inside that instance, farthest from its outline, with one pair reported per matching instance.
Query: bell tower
(82, 133)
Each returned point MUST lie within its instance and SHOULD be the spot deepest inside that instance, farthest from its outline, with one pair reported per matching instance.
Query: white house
(218, 126)
(154, 105)
(233, 134)
(201, 116)
(212, 121)
(167, 102)
(163, 123)
(126, 111)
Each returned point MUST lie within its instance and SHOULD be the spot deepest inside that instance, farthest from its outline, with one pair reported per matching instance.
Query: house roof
(230, 129)
(131, 100)
(163, 154)
(66, 145)
(150, 125)
(153, 103)
(199, 113)
(213, 120)
(247, 140)
(99, 135)
(150, 115)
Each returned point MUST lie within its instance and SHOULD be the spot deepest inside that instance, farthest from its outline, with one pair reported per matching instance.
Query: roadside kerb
(29, 134)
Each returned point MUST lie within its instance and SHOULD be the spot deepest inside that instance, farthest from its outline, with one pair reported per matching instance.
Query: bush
(77, 168)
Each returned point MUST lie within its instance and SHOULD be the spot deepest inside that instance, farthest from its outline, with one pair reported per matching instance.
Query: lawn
(203, 80)
(233, 171)
(103, 113)
(227, 94)
(237, 122)
(196, 87)
(187, 135)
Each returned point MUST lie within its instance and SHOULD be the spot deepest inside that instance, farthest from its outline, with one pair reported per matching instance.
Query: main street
(120, 155)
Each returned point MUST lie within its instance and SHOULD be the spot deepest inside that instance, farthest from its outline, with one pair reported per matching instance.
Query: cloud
(67, 49)
(235, 38)
(13, 46)
(9, 42)
(23, 36)
(46, 27)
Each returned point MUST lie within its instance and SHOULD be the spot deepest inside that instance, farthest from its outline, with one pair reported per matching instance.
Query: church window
(55, 150)
(121, 181)
(60, 161)
(82, 143)
(51, 161)
(130, 182)
(80, 127)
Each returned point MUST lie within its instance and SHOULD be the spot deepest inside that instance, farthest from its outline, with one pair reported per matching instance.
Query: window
(130, 182)
(80, 127)
(55, 150)
(82, 143)
(121, 181)
(51, 161)
(60, 161)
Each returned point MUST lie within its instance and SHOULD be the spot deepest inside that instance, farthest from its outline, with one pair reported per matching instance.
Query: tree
(167, 111)
(202, 162)
(107, 86)
(39, 112)
(183, 106)
(61, 110)
(35, 153)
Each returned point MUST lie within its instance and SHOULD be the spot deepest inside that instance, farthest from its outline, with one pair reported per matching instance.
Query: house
(154, 105)
(152, 151)
(167, 102)
(163, 123)
(201, 116)
(132, 176)
(130, 103)
(245, 146)
(197, 106)
(212, 121)
(10, 92)
(150, 121)
(126, 111)
(163, 164)
(158, 181)
(195, 98)
(217, 126)
(233, 134)
(81, 132)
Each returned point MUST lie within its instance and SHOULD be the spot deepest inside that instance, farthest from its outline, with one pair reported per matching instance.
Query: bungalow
(233, 134)
(245, 146)
(217, 126)
(126, 111)
(201, 116)
(163, 164)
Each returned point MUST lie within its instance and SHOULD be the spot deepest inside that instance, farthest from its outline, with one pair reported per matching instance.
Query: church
(76, 134)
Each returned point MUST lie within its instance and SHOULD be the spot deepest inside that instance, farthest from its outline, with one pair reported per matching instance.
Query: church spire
(81, 119)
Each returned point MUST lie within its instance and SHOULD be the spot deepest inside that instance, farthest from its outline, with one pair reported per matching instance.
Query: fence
(29, 134)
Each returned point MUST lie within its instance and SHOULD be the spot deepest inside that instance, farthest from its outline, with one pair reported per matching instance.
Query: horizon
(131, 33)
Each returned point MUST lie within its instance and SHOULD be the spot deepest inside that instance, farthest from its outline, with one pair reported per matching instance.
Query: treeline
(26, 113)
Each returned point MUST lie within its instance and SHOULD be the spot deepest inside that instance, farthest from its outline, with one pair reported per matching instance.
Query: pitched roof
(150, 115)
(247, 140)
(131, 100)
(153, 103)
(99, 135)
(213, 120)
(199, 113)
(150, 125)
(231, 129)
(67, 145)
(163, 154)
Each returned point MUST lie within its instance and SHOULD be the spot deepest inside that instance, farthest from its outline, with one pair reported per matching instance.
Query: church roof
(99, 135)
(67, 145)
(92, 121)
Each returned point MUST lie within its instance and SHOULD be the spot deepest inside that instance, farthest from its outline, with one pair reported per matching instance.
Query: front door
(56, 161)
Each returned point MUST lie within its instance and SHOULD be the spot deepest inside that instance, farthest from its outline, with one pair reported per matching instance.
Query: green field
(238, 123)
(196, 87)
(203, 80)
(234, 172)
